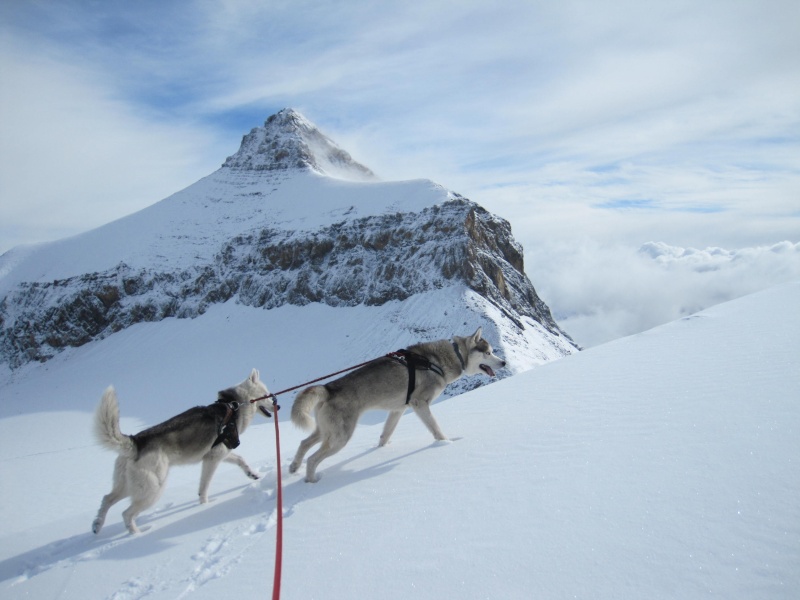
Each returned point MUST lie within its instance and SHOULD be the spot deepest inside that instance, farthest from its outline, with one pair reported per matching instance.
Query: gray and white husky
(415, 379)
(202, 433)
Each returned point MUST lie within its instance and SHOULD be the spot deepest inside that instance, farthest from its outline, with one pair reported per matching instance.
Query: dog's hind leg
(130, 513)
(138, 504)
(332, 442)
(304, 447)
(116, 494)
(326, 449)
(237, 460)
(425, 415)
(388, 429)
(146, 479)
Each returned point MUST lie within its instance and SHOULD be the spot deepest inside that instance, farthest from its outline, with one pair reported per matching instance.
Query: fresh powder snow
(663, 465)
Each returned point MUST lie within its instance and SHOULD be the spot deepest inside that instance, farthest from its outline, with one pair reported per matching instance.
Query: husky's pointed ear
(477, 335)
(254, 376)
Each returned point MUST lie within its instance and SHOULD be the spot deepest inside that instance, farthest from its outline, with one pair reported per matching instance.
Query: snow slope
(663, 465)
(193, 224)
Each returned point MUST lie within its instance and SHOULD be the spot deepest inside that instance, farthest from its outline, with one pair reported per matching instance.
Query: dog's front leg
(388, 428)
(235, 459)
(210, 464)
(423, 411)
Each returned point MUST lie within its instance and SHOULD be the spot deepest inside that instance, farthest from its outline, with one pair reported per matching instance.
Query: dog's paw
(293, 467)
(134, 530)
(314, 479)
(252, 475)
(97, 525)
(444, 442)
(140, 530)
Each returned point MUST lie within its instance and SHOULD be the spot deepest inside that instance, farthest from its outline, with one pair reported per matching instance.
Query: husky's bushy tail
(106, 425)
(304, 405)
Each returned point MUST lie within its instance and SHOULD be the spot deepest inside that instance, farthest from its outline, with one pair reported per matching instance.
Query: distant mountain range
(290, 219)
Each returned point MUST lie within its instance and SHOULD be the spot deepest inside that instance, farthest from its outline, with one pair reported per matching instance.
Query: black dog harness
(228, 432)
(414, 361)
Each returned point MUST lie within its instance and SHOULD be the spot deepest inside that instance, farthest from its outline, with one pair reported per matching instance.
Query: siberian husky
(202, 433)
(414, 378)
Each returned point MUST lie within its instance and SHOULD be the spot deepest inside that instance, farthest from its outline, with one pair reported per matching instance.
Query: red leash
(276, 585)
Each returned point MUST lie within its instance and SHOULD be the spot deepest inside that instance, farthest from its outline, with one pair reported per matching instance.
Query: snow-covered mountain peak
(279, 225)
(289, 141)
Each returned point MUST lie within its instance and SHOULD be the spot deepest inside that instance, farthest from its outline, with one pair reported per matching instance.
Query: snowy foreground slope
(664, 465)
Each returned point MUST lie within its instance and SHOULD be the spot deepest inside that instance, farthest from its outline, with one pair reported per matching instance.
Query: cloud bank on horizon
(594, 127)
(600, 294)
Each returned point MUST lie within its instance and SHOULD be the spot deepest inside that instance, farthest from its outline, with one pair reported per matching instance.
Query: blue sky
(602, 124)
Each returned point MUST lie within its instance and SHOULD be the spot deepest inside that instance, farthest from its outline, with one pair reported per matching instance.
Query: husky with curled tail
(413, 377)
(201, 434)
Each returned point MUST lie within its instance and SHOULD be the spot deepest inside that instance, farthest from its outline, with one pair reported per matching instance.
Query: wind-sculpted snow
(370, 261)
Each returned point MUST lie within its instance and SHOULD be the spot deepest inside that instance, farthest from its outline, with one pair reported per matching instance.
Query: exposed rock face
(288, 141)
(419, 240)
(367, 261)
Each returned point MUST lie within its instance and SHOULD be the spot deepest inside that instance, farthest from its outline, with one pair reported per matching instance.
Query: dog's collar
(458, 354)
(226, 397)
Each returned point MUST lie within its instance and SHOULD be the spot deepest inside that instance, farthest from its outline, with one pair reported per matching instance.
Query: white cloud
(599, 293)
(73, 156)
